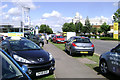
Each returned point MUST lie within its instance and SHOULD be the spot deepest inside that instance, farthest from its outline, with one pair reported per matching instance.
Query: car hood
(34, 56)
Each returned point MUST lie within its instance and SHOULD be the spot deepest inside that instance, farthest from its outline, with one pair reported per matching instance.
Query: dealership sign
(10, 34)
(115, 27)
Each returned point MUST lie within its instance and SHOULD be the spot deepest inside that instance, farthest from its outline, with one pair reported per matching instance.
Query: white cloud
(14, 11)
(52, 14)
(4, 6)
(54, 19)
(6, 16)
(115, 3)
(16, 18)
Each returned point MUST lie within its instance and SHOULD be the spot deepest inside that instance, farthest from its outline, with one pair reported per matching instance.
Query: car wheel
(40, 44)
(51, 72)
(71, 54)
(65, 49)
(103, 67)
(91, 54)
(56, 42)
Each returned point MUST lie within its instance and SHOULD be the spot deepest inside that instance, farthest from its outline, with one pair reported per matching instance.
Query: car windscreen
(17, 45)
(59, 36)
(82, 40)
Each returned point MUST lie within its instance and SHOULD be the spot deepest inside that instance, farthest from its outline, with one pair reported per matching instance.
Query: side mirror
(112, 50)
(24, 68)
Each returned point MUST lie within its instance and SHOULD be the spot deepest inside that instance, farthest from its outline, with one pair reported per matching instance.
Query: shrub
(107, 38)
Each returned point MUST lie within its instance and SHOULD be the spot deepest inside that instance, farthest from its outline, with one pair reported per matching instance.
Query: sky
(55, 14)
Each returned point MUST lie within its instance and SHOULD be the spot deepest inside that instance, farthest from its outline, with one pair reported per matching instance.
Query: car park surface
(110, 61)
(9, 69)
(26, 52)
(79, 45)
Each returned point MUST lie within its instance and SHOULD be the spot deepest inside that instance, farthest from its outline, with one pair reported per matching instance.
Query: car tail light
(73, 44)
(92, 45)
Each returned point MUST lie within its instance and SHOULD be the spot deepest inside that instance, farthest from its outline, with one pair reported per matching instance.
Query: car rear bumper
(82, 51)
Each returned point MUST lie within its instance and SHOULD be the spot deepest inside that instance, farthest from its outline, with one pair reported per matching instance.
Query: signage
(115, 27)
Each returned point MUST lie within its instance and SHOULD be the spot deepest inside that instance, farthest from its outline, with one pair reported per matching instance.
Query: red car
(59, 39)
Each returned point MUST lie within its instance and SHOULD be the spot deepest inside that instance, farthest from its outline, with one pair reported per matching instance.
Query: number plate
(42, 73)
(83, 52)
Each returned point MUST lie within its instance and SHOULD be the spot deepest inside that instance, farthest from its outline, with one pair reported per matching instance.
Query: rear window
(59, 36)
(82, 40)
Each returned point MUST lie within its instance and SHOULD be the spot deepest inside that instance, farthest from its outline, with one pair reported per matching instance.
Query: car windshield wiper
(12, 78)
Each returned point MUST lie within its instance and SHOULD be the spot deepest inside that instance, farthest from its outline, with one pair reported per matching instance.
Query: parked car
(79, 45)
(59, 39)
(51, 38)
(35, 38)
(1, 38)
(10, 70)
(110, 61)
(25, 52)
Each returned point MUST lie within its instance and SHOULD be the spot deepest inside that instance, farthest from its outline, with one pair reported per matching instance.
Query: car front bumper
(37, 68)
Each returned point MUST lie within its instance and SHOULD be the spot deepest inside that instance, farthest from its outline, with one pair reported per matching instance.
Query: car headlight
(20, 59)
(50, 57)
(58, 40)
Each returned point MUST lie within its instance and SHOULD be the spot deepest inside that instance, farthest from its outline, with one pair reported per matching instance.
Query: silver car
(79, 45)
(110, 61)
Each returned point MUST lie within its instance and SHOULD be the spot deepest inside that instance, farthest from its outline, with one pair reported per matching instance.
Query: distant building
(93, 21)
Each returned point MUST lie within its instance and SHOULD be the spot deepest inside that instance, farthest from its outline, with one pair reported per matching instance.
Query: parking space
(67, 66)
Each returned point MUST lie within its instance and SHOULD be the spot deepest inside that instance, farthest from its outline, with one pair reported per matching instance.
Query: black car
(26, 52)
(10, 70)
(35, 38)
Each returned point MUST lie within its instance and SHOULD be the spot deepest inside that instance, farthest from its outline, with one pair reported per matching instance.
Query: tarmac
(69, 67)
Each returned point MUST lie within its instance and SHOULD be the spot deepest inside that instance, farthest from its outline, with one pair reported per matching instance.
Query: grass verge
(49, 77)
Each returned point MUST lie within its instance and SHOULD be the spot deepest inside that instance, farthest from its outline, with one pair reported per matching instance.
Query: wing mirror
(112, 50)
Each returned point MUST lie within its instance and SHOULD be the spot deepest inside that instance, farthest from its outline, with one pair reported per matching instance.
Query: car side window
(4, 43)
(117, 49)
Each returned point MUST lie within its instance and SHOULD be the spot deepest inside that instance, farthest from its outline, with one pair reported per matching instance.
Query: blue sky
(56, 14)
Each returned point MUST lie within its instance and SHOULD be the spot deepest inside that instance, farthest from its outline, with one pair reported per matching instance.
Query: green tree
(68, 27)
(116, 16)
(84, 29)
(105, 28)
(99, 31)
(94, 30)
(45, 29)
(78, 26)
(87, 25)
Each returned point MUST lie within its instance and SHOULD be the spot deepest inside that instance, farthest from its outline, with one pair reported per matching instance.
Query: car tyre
(65, 49)
(56, 42)
(91, 54)
(71, 54)
(103, 67)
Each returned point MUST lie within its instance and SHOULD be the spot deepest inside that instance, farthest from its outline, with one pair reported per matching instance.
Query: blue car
(10, 70)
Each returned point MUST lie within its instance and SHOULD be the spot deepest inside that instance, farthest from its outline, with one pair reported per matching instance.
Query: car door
(68, 43)
(117, 60)
(114, 60)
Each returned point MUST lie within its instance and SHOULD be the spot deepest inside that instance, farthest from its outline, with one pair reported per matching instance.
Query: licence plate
(83, 52)
(62, 41)
(42, 73)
